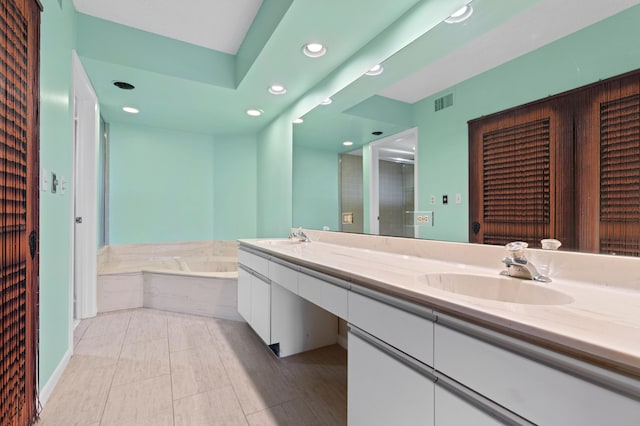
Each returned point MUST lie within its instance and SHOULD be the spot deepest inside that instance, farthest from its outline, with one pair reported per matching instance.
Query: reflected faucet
(518, 266)
(300, 235)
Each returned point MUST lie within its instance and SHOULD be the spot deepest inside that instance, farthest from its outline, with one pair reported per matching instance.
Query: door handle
(33, 243)
(79, 219)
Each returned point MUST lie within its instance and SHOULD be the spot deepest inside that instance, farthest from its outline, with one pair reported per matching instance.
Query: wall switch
(433, 199)
(445, 199)
(44, 179)
(458, 198)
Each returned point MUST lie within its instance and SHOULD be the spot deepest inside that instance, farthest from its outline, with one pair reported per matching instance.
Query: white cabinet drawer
(253, 261)
(410, 333)
(536, 391)
(286, 277)
(328, 296)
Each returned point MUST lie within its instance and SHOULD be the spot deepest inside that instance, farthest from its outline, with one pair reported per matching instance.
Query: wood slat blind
(516, 181)
(620, 160)
(620, 175)
(18, 146)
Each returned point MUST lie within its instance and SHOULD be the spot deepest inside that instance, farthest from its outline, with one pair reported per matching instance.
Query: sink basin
(499, 288)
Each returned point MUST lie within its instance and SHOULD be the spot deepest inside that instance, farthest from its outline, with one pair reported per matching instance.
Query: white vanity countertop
(601, 324)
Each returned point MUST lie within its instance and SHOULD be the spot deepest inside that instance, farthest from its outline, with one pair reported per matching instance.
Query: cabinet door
(608, 179)
(261, 308)
(383, 390)
(244, 294)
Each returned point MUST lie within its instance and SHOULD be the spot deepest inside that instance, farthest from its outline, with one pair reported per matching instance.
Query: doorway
(390, 174)
(86, 124)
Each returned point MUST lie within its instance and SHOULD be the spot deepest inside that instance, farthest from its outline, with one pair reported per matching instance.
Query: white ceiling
(215, 24)
(519, 35)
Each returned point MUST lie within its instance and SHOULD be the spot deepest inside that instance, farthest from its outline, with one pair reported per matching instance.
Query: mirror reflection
(506, 54)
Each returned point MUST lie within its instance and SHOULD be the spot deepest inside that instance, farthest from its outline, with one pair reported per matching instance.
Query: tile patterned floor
(149, 367)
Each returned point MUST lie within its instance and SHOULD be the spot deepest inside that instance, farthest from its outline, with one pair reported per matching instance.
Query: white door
(84, 196)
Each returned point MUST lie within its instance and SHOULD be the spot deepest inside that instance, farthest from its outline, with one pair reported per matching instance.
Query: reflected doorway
(391, 170)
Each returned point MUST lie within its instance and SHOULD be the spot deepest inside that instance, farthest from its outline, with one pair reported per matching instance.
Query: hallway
(149, 367)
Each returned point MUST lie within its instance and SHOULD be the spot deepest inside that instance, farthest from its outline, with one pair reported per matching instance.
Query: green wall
(160, 187)
(168, 185)
(57, 41)
(234, 187)
(275, 156)
(315, 188)
(597, 52)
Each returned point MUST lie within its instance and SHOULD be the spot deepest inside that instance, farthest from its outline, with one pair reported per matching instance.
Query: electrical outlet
(445, 199)
(458, 198)
(433, 199)
(63, 185)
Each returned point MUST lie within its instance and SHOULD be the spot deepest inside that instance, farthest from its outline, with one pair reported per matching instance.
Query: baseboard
(47, 389)
(342, 341)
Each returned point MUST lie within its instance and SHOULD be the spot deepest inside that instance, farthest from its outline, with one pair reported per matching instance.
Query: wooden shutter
(19, 68)
(518, 164)
(608, 124)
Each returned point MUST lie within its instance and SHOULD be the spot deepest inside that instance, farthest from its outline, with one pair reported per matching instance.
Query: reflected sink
(282, 242)
(499, 288)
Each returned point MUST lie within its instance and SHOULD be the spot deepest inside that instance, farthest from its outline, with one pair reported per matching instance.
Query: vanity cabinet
(408, 364)
(268, 301)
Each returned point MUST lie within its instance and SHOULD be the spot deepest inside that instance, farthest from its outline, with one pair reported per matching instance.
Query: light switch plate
(458, 198)
(44, 179)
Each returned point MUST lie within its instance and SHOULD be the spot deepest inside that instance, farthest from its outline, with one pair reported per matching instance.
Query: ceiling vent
(444, 102)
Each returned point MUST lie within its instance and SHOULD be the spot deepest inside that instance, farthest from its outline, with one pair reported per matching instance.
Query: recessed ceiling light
(347, 143)
(398, 140)
(314, 50)
(124, 85)
(298, 121)
(254, 112)
(131, 110)
(277, 89)
(326, 101)
(460, 15)
(376, 70)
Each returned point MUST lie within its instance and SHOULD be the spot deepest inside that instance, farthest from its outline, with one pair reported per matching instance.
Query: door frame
(374, 177)
(85, 139)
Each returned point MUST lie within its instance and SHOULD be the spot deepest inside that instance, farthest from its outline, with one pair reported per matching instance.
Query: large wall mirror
(507, 53)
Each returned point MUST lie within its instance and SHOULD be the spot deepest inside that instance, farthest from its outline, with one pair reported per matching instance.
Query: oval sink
(499, 288)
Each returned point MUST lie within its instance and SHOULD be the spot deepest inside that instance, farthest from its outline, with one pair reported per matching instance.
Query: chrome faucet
(300, 235)
(518, 265)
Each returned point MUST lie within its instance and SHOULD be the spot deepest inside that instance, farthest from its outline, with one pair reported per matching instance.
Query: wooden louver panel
(620, 160)
(18, 23)
(516, 173)
(620, 175)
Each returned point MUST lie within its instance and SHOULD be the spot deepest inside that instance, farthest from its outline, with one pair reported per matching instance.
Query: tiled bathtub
(197, 277)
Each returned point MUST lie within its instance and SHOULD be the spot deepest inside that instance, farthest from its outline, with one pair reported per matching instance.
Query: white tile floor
(149, 367)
